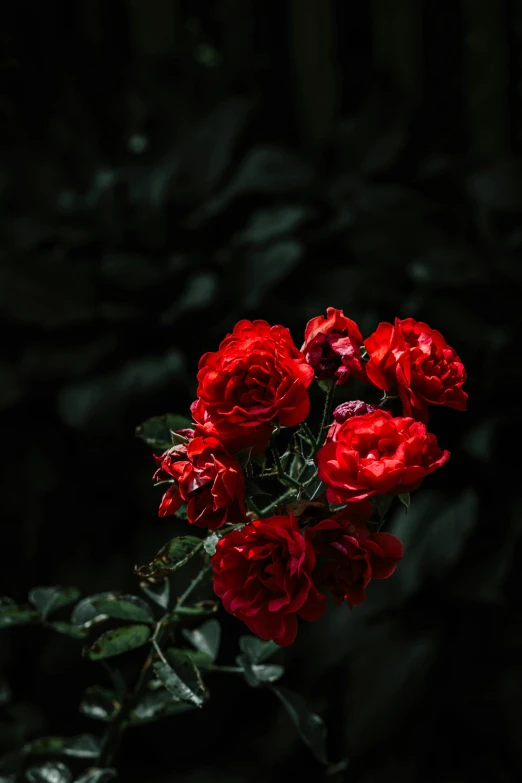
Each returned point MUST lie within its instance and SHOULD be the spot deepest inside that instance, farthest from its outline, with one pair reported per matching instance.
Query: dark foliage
(169, 167)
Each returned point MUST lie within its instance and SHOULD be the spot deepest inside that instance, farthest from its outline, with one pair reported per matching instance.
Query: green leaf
(158, 590)
(256, 674)
(97, 775)
(157, 704)
(310, 726)
(84, 746)
(67, 629)
(182, 680)
(118, 641)
(253, 489)
(326, 384)
(99, 703)
(156, 432)
(202, 607)
(256, 649)
(210, 543)
(201, 659)
(11, 614)
(50, 772)
(85, 613)
(172, 556)
(5, 693)
(405, 500)
(206, 638)
(124, 607)
(243, 457)
(49, 599)
(382, 504)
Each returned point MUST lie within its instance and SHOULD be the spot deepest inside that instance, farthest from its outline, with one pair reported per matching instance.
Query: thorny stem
(326, 415)
(120, 722)
(285, 479)
(281, 499)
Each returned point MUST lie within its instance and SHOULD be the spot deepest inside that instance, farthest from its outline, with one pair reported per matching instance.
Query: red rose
(349, 556)
(257, 378)
(170, 466)
(346, 410)
(332, 346)
(416, 362)
(209, 480)
(263, 574)
(377, 454)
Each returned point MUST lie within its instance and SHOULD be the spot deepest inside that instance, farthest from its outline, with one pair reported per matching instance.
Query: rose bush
(377, 454)
(412, 360)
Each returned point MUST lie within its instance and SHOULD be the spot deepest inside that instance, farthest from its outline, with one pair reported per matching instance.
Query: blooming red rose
(170, 466)
(256, 379)
(377, 454)
(207, 478)
(346, 410)
(332, 346)
(413, 360)
(349, 556)
(263, 574)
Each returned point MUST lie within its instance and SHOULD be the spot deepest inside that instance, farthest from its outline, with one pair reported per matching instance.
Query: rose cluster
(322, 535)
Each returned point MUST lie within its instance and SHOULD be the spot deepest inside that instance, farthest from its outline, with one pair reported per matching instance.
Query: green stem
(284, 478)
(327, 410)
(281, 499)
(229, 669)
(120, 721)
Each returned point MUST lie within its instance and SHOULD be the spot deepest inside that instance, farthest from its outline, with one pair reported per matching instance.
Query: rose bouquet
(277, 563)
(292, 505)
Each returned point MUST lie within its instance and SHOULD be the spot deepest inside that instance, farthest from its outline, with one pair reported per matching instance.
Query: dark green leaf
(118, 641)
(157, 590)
(172, 556)
(243, 457)
(405, 499)
(5, 692)
(210, 542)
(50, 772)
(11, 614)
(310, 726)
(266, 225)
(85, 613)
(68, 630)
(206, 638)
(253, 489)
(256, 649)
(201, 659)
(124, 607)
(49, 599)
(202, 607)
(382, 503)
(259, 674)
(326, 384)
(265, 268)
(97, 775)
(156, 432)
(182, 679)
(84, 746)
(99, 703)
(157, 704)
(45, 746)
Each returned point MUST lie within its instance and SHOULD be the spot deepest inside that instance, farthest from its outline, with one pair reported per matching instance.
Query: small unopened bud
(346, 410)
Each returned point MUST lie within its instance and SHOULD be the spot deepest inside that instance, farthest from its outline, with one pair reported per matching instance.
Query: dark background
(169, 167)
